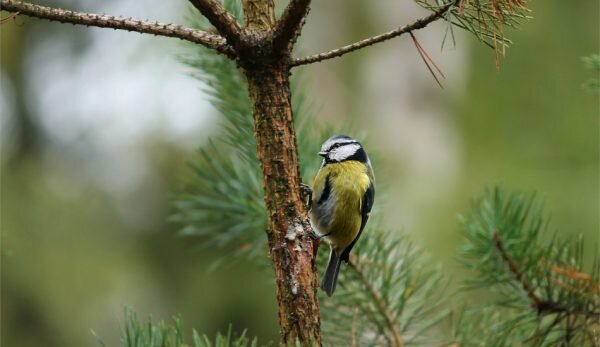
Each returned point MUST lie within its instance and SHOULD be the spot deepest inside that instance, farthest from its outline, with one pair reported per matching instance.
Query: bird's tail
(331, 274)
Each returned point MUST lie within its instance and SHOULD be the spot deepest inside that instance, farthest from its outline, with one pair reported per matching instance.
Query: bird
(341, 199)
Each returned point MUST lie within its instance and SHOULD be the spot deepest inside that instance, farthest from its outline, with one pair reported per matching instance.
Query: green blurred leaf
(592, 63)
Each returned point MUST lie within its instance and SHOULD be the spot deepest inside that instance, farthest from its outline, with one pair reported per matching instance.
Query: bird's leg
(306, 192)
(315, 236)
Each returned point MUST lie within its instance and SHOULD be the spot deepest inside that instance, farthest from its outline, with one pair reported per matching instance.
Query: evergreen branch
(546, 296)
(485, 19)
(385, 297)
(221, 19)
(224, 204)
(536, 303)
(488, 326)
(208, 40)
(135, 333)
(290, 23)
(338, 52)
(396, 338)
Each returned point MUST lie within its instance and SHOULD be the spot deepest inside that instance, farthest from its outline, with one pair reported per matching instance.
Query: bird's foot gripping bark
(306, 192)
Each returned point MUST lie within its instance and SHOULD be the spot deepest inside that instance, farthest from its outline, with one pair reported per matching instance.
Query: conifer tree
(248, 181)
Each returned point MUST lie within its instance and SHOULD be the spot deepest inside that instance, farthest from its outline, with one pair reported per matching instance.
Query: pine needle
(11, 16)
(427, 60)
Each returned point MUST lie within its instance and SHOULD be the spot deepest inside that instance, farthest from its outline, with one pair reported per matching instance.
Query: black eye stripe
(340, 144)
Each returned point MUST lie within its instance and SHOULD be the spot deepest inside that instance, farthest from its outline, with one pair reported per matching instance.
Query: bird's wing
(365, 208)
(321, 187)
(324, 193)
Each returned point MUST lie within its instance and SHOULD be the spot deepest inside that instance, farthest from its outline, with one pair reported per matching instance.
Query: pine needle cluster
(224, 204)
(136, 333)
(388, 295)
(541, 293)
(486, 19)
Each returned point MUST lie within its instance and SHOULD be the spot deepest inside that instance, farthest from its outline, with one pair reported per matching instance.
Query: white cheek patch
(344, 152)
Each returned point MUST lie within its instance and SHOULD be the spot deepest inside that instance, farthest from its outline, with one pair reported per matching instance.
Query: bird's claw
(306, 192)
(314, 235)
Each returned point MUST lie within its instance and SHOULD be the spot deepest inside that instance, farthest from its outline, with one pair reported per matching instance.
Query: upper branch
(418, 24)
(218, 16)
(259, 15)
(215, 42)
(291, 22)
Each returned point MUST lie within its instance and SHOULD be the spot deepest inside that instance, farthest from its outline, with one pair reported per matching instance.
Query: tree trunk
(291, 248)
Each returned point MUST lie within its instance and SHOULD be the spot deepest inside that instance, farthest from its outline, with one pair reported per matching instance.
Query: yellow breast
(349, 181)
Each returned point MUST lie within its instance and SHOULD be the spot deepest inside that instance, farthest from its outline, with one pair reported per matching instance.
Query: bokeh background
(97, 127)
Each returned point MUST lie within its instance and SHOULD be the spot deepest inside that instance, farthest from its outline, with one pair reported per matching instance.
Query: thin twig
(396, 338)
(215, 42)
(290, 23)
(536, 303)
(418, 24)
(218, 16)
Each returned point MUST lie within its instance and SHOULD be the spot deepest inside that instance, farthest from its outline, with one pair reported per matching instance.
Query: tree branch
(259, 15)
(418, 24)
(290, 24)
(288, 226)
(218, 16)
(540, 305)
(215, 42)
(536, 302)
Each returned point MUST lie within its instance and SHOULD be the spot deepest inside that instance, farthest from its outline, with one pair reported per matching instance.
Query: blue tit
(342, 197)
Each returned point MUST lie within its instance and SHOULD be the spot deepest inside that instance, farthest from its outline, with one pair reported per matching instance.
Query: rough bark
(292, 250)
(220, 19)
(259, 15)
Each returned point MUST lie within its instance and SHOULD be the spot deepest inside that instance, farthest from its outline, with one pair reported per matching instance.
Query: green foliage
(592, 62)
(387, 295)
(139, 334)
(483, 326)
(228, 175)
(543, 294)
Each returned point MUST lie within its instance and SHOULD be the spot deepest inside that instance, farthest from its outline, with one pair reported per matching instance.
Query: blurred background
(97, 127)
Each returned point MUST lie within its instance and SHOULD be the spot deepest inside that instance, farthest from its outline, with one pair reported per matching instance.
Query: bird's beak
(323, 154)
